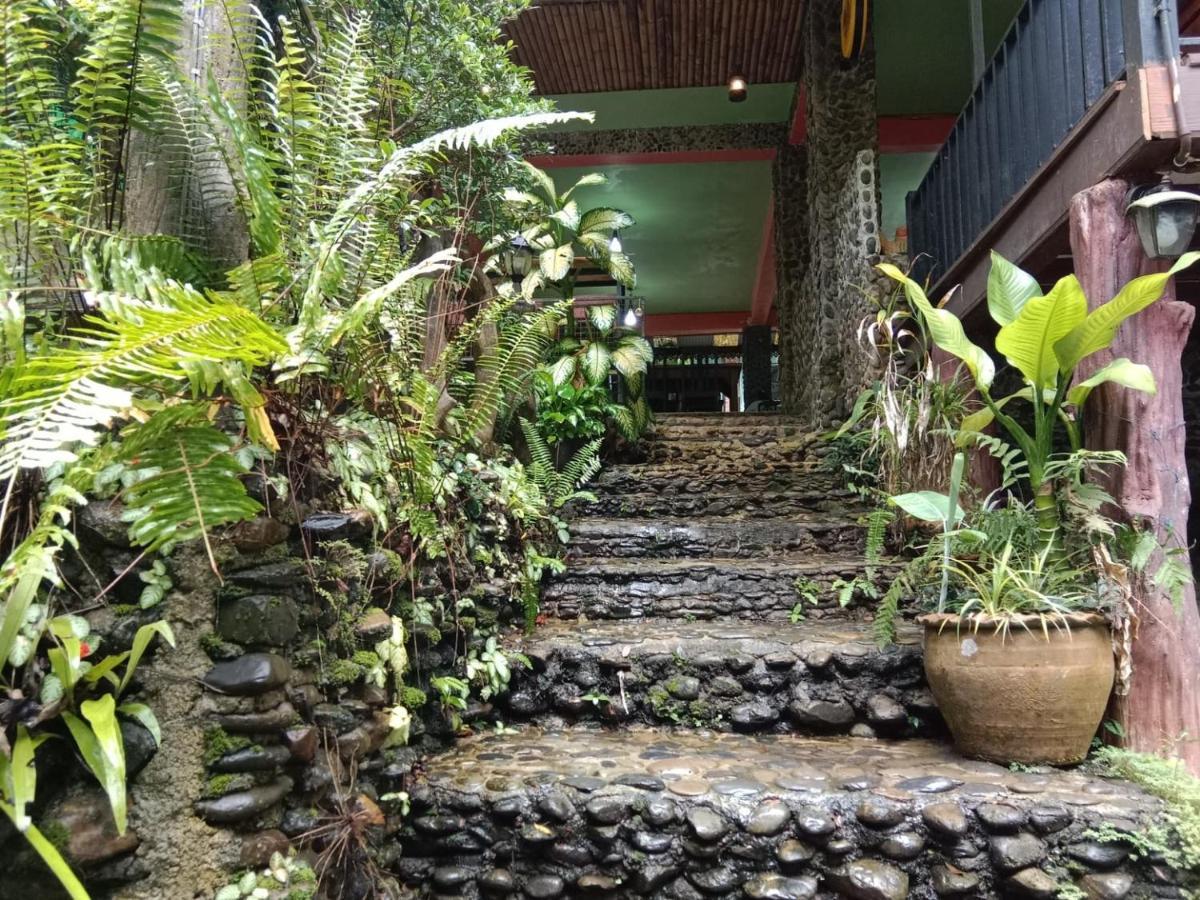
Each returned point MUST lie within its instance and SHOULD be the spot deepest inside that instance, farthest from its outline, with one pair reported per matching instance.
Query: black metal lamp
(1165, 218)
(516, 258)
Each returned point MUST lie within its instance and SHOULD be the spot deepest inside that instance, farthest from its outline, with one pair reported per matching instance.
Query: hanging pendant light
(614, 242)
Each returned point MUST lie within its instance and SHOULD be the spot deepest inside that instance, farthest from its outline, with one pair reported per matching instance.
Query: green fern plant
(560, 486)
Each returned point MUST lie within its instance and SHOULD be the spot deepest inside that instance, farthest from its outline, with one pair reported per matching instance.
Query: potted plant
(1019, 656)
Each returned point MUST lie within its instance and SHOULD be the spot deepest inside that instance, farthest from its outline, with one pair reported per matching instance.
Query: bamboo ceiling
(586, 46)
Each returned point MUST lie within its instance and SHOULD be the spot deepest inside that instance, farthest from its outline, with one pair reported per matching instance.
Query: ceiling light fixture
(737, 88)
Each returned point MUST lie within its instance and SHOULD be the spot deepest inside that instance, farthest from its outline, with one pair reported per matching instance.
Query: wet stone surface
(747, 677)
(755, 816)
(706, 588)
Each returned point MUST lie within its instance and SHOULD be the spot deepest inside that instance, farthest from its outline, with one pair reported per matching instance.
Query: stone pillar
(756, 363)
(823, 281)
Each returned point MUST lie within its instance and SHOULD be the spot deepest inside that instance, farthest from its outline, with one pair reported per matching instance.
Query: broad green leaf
(592, 179)
(945, 329)
(106, 669)
(141, 641)
(982, 418)
(1100, 326)
(51, 857)
(568, 216)
(928, 506)
(629, 357)
(602, 317)
(604, 220)
(144, 715)
(543, 184)
(101, 713)
(521, 198)
(18, 775)
(620, 267)
(562, 370)
(1008, 289)
(16, 606)
(64, 662)
(596, 362)
(1028, 341)
(1120, 371)
(555, 262)
(103, 752)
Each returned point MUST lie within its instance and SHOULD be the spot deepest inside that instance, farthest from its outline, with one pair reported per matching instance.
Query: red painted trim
(913, 134)
(799, 130)
(752, 154)
(764, 278)
(677, 324)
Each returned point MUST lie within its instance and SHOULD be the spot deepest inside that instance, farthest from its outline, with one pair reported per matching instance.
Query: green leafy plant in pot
(1021, 664)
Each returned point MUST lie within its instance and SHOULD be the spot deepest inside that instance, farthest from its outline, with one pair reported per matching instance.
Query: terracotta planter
(1020, 697)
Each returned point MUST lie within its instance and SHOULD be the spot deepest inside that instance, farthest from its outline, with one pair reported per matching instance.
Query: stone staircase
(683, 733)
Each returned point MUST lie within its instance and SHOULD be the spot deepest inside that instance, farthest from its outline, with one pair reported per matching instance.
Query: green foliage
(561, 485)
(1175, 836)
(1044, 338)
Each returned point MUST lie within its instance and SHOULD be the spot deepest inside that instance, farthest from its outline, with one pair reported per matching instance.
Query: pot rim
(939, 621)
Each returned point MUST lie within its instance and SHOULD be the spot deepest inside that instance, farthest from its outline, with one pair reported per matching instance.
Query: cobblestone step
(734, 449)
(717, 474)
(717, 497)
(805, 677)
(705, 589)
(726, 536)
(681, 816)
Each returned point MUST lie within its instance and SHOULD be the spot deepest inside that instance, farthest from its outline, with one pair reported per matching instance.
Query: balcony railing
(1055, 63)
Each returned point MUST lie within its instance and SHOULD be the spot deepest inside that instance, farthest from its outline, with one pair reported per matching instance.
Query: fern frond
(60, 398)
(187, 478)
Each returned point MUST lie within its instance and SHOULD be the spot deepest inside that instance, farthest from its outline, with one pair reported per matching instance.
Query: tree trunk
(1162, 709)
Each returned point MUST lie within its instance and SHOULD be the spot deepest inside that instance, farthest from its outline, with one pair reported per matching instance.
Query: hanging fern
(560, 486)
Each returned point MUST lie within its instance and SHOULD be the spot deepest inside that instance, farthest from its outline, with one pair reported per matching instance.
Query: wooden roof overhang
(588, 46)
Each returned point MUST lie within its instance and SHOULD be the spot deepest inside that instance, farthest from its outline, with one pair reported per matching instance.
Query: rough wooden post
(1162, 710)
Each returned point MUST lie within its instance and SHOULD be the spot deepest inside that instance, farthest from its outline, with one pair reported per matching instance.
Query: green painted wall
(923, 52)
(699, 229)
(899, 173)
(679, 106)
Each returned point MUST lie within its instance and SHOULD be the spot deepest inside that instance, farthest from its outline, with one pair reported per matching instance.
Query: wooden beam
(583, 160)
(763, 298)
(680, 324)
(913, 134)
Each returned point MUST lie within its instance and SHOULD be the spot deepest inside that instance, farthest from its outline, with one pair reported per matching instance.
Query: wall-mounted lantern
(738, 88)
(515, 259)
(1165, 218)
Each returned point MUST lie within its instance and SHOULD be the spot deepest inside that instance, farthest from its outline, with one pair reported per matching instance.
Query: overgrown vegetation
(225, 299)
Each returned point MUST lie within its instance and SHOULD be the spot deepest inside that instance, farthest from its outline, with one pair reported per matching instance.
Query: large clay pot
(1022, 696)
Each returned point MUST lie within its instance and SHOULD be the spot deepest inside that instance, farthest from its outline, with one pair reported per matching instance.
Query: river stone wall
(827, 227)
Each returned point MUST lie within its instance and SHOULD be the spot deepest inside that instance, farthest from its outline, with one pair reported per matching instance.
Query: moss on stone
(220, 785)
(368, 659)
(120, 610)
(218, 742)
(57, 834)
(342, 672)
(413, 698)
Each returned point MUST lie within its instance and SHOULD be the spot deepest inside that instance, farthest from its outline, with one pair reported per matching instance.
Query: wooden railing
(1056, 61)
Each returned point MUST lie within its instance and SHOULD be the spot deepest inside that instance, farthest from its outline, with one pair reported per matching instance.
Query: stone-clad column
(825, 248)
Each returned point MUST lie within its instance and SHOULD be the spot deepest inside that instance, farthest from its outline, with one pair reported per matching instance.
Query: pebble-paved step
(740, 450)
(819, 676)
(715, 472)
(728, 536)
(718, 497)
(708, 588)
(682, 816)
